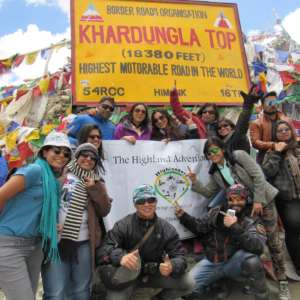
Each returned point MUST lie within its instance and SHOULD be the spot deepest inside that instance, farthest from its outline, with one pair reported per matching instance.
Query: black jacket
(126, 234)
(220, 242)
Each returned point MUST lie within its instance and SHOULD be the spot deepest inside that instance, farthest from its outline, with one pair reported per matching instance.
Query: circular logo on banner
(171, 184)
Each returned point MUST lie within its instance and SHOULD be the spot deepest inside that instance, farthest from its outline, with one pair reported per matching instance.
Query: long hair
(214, 106)
(146, 121)
(82, 137)
(172, 129)
(213, 140)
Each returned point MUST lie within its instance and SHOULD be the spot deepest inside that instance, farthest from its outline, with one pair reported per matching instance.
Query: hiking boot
(284, 292)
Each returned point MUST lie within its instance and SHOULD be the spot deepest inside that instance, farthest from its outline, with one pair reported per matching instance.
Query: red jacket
(183, 114)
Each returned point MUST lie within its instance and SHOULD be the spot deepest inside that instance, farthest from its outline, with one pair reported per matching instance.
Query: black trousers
(289, 212)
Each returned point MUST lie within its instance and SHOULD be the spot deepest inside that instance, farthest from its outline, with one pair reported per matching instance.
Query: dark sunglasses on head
(223, 126)
(211, 112)
(143, 201)
(160, 118)
(137, 110)
(58, 150)
(89, 154)
(95, 136)
(107, 107)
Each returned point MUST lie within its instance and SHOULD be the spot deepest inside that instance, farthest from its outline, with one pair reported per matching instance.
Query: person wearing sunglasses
(262, 130)
(165, 128)
(282, 168)
(161, 255)
(239, 167)
(232, 247)
(83, 202)
(29, 203)
(91, 134)
(101, 119)
(235, 136)
(135, 126)
(205, 120)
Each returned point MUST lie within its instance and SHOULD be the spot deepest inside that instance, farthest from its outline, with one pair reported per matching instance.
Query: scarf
(48, 222)
(78, 201)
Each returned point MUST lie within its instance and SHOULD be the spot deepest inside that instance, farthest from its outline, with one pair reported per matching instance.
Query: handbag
(119, 278)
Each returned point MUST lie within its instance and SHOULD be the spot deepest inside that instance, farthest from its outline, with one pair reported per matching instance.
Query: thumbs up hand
(166, 268)
(130, 260)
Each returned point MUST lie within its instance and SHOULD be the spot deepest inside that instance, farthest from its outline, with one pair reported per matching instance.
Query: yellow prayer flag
(44, 84)
(47, 128)
(34, 135)
(31, 57)
(11, 140)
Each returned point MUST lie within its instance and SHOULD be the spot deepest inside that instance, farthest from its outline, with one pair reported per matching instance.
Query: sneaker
(284, 292)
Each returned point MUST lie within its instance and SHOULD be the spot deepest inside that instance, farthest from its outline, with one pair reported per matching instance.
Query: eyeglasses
(94, 136)
(283, 130)
(88, 154)
(107, 107)
(160, 118)
(213, 150)
(143, 201)
(223, 126)
(58, 150)
(137, 110)
(211, 112)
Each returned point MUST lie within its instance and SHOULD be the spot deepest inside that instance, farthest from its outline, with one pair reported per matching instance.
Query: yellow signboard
(136, 50)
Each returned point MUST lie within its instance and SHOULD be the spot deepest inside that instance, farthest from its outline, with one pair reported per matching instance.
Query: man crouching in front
(146, 252)
(232, 244)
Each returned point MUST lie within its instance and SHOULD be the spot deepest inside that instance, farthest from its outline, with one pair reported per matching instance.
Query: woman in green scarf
(29, 203)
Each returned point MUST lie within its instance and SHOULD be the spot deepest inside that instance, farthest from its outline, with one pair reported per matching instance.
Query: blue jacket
(107, 127)
(3, 170)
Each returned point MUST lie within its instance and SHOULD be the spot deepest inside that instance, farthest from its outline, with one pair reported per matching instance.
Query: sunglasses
(213, 150)
(95, 136)
(283, 130)
(107, 107)
(143, 201)
(271, 102)
(211, 112)
(58, 150)
(137, 110)
(160, 118)
(223, 126)
(88, 154)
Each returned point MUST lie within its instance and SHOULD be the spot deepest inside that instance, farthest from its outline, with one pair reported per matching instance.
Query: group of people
(51, 211)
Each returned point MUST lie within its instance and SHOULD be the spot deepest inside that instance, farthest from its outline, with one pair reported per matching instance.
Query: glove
(214, 213)
(251, 98)
(174, 95)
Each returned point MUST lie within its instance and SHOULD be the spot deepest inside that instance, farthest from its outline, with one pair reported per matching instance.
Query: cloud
(33, 39)
(291, 23)
(64, 5)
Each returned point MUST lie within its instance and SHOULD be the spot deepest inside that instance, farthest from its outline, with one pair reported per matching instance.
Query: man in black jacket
(162, 259)
(232, 243)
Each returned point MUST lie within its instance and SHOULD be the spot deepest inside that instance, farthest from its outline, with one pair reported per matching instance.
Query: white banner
(162, 165)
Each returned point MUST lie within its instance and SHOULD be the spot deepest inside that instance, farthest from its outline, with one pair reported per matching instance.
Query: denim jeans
(20, 265)
(206, 272)
(69, 279)
(172, 288)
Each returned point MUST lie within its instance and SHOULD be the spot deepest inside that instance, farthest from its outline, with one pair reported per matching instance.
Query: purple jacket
(126, 128)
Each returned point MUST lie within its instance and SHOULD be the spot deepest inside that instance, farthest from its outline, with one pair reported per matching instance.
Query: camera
(231, 212)
(150, 268)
